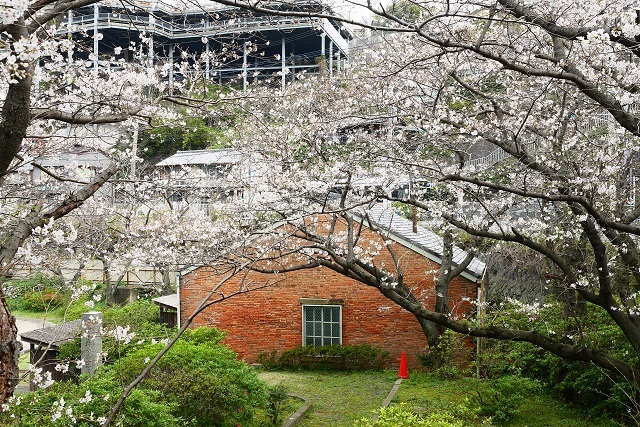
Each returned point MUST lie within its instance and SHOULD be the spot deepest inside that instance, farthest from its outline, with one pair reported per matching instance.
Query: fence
(94, 272)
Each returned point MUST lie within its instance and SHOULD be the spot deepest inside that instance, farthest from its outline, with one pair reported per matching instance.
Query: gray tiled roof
(203, 157)
(425, 241)
(53, 336)
(168, 300)
(82, 156)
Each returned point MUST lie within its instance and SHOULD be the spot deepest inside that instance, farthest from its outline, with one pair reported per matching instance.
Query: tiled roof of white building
(203, 157)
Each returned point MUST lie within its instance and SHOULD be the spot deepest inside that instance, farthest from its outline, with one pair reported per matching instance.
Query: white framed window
(321, 325)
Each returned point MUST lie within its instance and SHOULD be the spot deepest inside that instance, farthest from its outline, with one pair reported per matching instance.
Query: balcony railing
(182, 30)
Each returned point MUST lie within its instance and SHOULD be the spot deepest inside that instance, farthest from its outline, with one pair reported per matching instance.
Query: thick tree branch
(38, 218)
(81, 119)
(567, 198)
(14, 117)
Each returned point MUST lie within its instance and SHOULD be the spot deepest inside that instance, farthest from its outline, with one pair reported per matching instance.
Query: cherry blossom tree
(521, 114)
(50, 103)
(511, 121)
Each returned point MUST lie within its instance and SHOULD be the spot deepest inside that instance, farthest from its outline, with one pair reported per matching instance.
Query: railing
(171, 29)
(490, 159)
(599, 122)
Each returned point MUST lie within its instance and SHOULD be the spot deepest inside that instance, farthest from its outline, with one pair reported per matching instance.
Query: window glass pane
(321, 325)
(326, 329)
(335, 330)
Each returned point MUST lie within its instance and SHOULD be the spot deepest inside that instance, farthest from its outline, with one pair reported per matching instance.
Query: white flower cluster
(122, 334)
(10, 11)
(532, 309)
(40, 379)
(60, 409)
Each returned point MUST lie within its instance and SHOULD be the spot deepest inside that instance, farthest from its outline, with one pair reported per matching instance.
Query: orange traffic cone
(404, 373)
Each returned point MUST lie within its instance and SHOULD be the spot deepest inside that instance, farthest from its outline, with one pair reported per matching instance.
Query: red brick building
(318, 306)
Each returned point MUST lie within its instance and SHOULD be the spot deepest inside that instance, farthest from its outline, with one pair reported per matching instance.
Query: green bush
(450, 358)
(203, 379)
(198, 382)
(37, 293)
(67, 403)
(138, 312)
(600, 392)
(400, 416)
(44, 300)
(500, 399)
(277, 399)
(75, 309)
(333, 357)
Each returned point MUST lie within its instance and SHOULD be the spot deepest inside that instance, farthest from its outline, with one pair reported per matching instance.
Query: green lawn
(53, 316)
(338, 398)
(341, 398)
(425, 392)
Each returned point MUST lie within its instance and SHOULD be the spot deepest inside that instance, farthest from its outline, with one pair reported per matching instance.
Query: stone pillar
(91, 342)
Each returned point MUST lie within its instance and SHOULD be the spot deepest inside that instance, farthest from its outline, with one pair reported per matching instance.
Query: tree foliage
(160, 142)
(199, 382)
(506, 106)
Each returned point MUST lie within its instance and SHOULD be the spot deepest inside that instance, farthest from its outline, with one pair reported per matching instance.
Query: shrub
(197, 383)
(277, 398)
(203, 379)
(584, 384)
(501, 398)
(400, 416)
(449, 359)
(333, 357)
(36, 293)
(42, 300)
(67, 403)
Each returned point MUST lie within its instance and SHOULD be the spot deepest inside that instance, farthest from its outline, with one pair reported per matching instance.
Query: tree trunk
(109, 287)
(10, 349)
(431, 331)
(166, 281)
(444, 275)
(15, 114)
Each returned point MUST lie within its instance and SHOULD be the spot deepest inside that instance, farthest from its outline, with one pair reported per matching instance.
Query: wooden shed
(168, 309)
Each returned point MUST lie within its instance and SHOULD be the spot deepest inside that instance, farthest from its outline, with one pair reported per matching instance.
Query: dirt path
(26, 324)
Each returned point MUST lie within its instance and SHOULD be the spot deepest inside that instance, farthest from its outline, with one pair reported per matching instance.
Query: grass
(23, 362)
(426, 393)
(339, 399)
(53, 316)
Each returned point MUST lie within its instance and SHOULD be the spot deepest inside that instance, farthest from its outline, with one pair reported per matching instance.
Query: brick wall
(270, 318)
